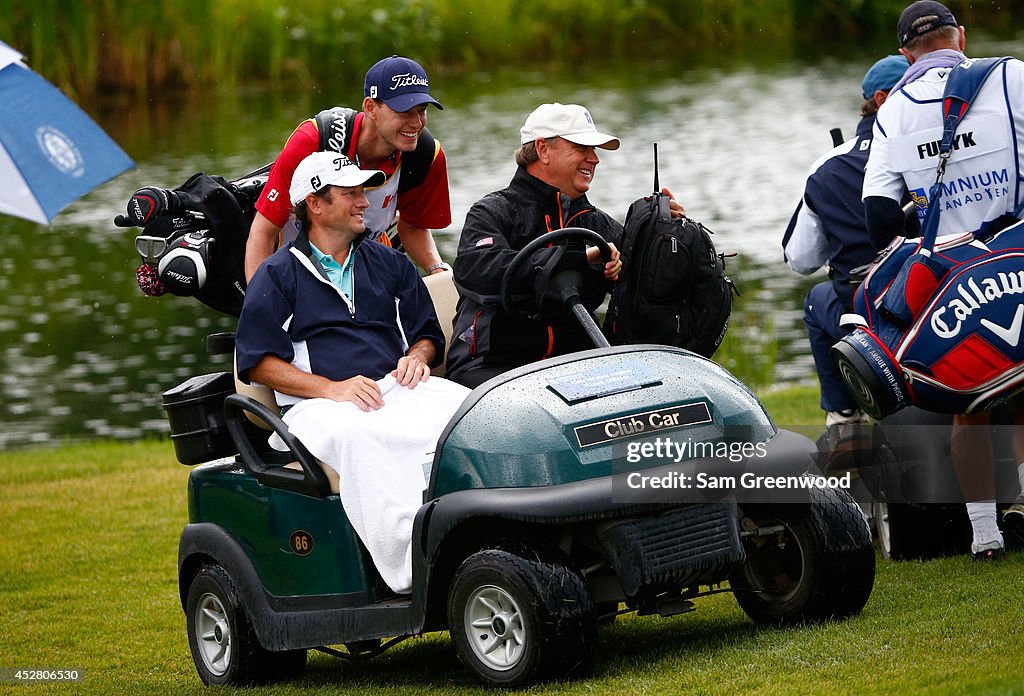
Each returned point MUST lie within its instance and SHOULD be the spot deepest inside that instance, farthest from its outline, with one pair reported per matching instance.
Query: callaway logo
(1010, 334)
(973, 297)
(407, 80)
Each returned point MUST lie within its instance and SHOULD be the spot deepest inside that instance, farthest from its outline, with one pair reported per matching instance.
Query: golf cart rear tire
(224, 646)
(522, 615)
(820, 567)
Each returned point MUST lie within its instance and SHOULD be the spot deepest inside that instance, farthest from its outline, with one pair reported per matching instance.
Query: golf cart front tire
(819, 566)
(224, 646)
(521, 616)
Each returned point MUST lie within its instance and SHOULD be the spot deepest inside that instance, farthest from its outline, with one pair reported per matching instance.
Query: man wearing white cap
(343, 330)
(557, 161)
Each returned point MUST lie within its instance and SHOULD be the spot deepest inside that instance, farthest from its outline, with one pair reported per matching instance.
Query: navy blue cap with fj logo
(400, 83)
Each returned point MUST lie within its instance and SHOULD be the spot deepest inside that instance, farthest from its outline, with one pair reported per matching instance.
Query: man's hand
(419, 245)
(675, 208)
(359, 390)
(410, 371)
(414, 366)
(614, 265)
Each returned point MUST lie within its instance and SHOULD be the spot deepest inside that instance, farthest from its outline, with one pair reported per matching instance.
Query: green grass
(87, 580)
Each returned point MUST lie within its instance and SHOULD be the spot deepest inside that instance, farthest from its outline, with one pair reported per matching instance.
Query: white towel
(383, 461)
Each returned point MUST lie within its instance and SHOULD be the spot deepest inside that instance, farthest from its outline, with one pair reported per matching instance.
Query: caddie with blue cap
(827, 229)
(883, 75)
(400, 83)
(389, 133)
(979, 198)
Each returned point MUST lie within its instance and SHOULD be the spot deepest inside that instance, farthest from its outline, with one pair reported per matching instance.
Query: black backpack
(674, 290)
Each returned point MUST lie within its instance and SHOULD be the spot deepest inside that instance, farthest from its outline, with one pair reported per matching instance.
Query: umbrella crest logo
(60, 150)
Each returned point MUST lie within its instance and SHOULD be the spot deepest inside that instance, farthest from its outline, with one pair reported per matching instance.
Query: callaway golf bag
(939, 325)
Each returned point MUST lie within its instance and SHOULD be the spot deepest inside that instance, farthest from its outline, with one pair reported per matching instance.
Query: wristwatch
(439, 264)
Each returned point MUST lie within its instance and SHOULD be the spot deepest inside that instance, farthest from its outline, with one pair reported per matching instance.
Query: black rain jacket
(496, 228)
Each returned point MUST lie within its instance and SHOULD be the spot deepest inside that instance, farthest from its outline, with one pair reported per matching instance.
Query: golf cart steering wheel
(563, 281)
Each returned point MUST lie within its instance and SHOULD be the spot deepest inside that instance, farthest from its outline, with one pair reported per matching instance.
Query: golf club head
(150, 248)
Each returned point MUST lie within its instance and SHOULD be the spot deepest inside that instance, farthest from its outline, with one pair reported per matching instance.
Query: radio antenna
(657, 185)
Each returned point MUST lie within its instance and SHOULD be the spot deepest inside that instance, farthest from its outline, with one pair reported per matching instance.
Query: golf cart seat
(265, 396)
(444, 296)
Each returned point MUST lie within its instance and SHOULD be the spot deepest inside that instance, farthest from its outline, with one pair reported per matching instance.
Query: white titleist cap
(323, 169)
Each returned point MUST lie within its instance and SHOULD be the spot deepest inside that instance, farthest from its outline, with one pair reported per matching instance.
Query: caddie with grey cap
(323, 169)
(570, 122)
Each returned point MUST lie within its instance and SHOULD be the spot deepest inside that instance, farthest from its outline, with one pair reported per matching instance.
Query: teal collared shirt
(340, 276)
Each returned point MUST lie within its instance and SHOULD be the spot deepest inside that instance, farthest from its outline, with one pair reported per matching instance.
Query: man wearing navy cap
(985, 191)
(389, 134)
(828, 228)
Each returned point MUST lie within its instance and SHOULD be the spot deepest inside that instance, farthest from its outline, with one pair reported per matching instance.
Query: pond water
(85, 354)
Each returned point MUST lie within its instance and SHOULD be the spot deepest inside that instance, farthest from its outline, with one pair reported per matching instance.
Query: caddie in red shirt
(390, 135)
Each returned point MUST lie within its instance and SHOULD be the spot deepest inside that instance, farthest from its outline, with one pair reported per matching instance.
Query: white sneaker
(849, 415)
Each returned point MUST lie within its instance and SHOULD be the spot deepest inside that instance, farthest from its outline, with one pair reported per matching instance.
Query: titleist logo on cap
(407, 80)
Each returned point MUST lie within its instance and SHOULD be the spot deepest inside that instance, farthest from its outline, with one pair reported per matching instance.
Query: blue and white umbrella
(51, 152)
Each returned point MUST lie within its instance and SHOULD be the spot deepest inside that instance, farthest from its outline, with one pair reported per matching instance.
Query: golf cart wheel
(815, 563)
(224, 646)
(520, 616)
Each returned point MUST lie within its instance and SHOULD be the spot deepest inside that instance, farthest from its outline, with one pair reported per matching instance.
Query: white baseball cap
(569, 121)
(323, 169)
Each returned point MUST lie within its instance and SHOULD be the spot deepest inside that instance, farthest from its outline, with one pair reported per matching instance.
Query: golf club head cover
(148, 202)
(148, 279)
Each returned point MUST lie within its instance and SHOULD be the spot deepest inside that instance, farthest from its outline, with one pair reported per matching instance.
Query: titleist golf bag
(193, 240)
(939, 325)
